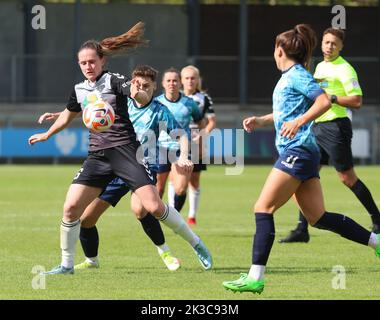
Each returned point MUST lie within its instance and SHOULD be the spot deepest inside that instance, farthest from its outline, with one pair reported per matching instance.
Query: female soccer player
(333, 129)
(297, 100)
(111, 153)
(146, 122)
(184, 110)
(192, 87)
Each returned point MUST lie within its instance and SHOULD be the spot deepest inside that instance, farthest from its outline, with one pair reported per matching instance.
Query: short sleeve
(73, 105)
(209, 110)
(350, 82)
(307, 85)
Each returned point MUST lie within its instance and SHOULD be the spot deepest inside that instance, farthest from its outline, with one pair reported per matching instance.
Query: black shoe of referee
(296, 236)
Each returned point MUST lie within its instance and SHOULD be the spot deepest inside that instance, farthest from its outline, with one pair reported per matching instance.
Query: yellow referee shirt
(338, 78)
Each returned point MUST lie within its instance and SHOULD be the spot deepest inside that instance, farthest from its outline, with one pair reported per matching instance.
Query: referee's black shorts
(103, 166)
(334, 141)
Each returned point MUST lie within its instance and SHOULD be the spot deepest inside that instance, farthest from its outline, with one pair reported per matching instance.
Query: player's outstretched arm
(61, 123)
(251, 123)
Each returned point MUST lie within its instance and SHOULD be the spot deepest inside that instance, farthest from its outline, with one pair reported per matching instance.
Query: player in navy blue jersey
(112, 153)
(184, 110)
(297, 101)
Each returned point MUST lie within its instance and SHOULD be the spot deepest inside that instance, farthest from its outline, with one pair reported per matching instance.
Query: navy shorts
(334, 141)
(300, 163)
(117, 189)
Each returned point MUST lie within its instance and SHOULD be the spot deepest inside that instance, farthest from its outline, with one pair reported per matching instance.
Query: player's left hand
(289, 129)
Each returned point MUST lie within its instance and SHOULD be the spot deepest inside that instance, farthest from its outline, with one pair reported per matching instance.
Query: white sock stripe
(70, 224)
(166, 213)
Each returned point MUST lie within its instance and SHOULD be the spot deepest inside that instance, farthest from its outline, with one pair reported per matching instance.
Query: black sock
(89, 239)
(344, 226)
(179, 201)
(364, 195)
(153, 229)
(302, 223)
(263, 239)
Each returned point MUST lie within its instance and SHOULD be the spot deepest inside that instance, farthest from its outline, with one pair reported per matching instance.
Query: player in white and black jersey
(192, 87)
(111, 153)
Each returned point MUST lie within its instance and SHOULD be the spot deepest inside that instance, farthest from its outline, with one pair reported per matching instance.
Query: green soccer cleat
(245, 284)
(204, 256)
(58, 270)
(377, 250)
(86, 265)
(171, 262)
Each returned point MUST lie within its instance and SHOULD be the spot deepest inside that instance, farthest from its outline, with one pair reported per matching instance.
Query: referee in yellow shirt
(333, 129)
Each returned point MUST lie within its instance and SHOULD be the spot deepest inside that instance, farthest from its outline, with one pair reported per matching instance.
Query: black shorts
(334, 141)
(102, 166)
(199, 167)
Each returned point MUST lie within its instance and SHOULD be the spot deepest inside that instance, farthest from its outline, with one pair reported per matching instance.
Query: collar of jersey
(285, 71)
(142, 107)
(179, 98)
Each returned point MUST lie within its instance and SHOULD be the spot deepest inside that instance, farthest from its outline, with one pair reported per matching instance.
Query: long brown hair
(119, 44)
(298, 43)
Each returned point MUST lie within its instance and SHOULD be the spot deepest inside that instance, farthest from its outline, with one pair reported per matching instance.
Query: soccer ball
(98, 116)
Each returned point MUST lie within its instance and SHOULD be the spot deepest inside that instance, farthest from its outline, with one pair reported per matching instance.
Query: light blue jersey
(184, 110)
(294, 94)
(149, 121)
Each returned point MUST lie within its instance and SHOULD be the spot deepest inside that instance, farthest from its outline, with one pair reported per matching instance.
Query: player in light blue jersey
(185, 110)
(148, 120)
(297, 101)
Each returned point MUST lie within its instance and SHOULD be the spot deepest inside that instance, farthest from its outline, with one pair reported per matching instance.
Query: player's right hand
(184, 166)
(38, 137)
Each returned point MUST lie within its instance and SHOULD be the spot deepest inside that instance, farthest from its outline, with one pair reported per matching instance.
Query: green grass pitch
(31, 199)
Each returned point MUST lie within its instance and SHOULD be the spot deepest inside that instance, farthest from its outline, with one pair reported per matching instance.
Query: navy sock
(364, 195)
(302, 223)
(153, 229)
(179, 201)
(344, 226)
(89, 239)
(263, 239)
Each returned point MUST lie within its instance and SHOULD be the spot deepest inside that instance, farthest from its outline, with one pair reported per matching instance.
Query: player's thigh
(309, 197)
(278, 189)
(180, 179)
(78, 197)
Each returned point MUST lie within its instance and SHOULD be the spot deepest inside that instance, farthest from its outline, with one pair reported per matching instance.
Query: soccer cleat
(170, 261)
(58, 270)
(296, 236)
(377, 250)
(86, 265)
(204, 256)
(245, 284)
(191, 221)
(375, 228)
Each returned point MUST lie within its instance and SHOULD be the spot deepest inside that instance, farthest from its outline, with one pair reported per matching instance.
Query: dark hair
(171, 69)
(298, 43)
(119, 44)
(146, 72)
(339, 33)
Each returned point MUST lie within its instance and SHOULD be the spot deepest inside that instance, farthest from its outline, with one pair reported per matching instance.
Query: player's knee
(181, 190)
(154, 207)
(264, 208)
(347, 181)
(71, 211)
